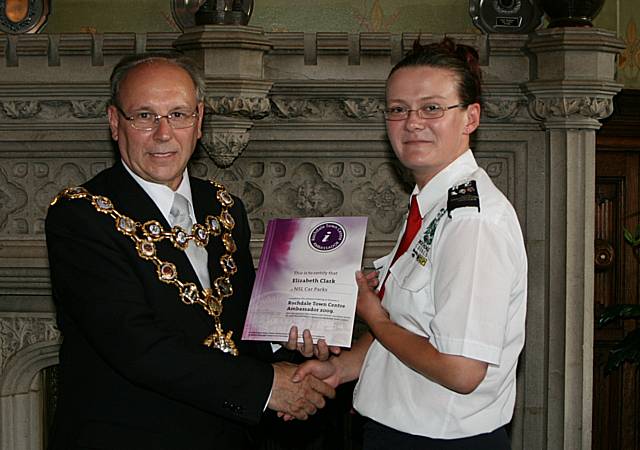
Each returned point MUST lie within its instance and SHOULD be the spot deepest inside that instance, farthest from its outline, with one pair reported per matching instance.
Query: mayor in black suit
(131, 305)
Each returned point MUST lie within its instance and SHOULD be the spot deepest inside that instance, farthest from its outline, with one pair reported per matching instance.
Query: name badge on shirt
(423, 246)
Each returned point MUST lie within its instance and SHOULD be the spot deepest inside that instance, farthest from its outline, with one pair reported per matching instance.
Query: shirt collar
(431, 193)
(162, 195)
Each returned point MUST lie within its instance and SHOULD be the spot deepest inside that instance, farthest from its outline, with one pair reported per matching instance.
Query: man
(130, 281)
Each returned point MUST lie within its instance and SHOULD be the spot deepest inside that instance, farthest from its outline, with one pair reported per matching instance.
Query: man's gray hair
(129, 62)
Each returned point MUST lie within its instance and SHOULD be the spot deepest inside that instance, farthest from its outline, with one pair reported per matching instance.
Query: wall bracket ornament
(224, 139)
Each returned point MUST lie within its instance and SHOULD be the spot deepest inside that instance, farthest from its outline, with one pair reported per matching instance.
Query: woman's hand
(369, 308)
(307, 348)
(321, 350)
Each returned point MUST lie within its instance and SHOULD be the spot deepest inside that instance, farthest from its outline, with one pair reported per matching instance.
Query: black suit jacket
(134, 373)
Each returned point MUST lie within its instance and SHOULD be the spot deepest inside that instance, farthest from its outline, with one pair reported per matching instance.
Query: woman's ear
(473, 118)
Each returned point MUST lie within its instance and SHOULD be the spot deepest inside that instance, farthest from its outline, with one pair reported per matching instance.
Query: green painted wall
(429, 16)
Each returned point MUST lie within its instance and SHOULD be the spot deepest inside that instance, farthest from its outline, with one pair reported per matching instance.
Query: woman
(438, 368)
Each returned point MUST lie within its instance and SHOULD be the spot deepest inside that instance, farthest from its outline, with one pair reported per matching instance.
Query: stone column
(571, 89)
(233, 60)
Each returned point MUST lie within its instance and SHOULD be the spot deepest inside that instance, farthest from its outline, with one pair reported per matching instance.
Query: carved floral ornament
(362, 108)
(20, 109)
(365, 108)
(48, 109)
(17, 333)
(257, 108)
(306, 192)
(226, 126)
(597, 108)
(251, 107)
(497, 109)
(224, 147)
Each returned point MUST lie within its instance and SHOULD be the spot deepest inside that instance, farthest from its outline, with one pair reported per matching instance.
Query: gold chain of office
(145, 235)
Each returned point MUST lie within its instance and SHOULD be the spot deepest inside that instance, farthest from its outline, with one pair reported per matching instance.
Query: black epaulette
(462, 196)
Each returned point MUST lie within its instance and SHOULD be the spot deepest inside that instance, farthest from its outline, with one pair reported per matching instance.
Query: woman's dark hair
(459, 58)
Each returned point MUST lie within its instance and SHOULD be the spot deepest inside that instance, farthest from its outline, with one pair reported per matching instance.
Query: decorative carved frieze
(331, 109)
(362, 108)
(545, 108)
(500, 109)
(21, 109)
(20, 331)
(294, 108)
(89, 109)
(251, 107)
(54, 110)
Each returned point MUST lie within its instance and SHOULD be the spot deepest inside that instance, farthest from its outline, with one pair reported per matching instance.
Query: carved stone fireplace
(294, 127)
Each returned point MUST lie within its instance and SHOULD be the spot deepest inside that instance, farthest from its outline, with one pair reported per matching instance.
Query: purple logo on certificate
(326, 237)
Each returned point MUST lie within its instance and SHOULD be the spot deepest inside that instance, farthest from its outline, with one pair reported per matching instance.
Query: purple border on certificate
(306, 277)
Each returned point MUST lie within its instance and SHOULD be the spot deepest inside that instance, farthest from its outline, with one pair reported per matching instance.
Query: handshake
(299, 391)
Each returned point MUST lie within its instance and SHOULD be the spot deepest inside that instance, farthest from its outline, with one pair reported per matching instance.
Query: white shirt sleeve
(471, 289)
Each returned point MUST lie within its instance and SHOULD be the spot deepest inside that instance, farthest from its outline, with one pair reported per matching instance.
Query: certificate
(306, 278)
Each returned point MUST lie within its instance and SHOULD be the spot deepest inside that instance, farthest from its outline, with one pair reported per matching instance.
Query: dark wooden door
(616, 396)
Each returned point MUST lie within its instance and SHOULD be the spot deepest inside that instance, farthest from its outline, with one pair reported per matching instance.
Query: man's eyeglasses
(147, 120)
(428, 111)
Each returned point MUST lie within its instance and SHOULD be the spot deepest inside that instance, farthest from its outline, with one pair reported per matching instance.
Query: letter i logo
(327, 236)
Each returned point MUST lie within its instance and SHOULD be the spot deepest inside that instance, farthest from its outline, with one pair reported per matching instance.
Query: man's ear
(200, 118)
(473, 118)
(114, 120)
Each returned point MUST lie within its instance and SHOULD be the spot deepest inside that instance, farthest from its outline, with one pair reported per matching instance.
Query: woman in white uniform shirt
(438, 368)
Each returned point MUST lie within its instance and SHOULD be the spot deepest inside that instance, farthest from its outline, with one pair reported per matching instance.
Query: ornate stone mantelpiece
(294, 126)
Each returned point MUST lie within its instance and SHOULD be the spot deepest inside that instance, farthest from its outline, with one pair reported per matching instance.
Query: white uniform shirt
(463, 284)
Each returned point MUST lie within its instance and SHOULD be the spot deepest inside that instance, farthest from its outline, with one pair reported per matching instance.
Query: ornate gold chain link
(145, 235)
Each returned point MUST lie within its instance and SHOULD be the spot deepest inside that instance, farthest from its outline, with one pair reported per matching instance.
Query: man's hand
(321, 350)
(326, 371)
(297, 399)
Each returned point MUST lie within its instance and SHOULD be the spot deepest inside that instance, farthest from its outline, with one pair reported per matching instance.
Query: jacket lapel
(205, 204)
